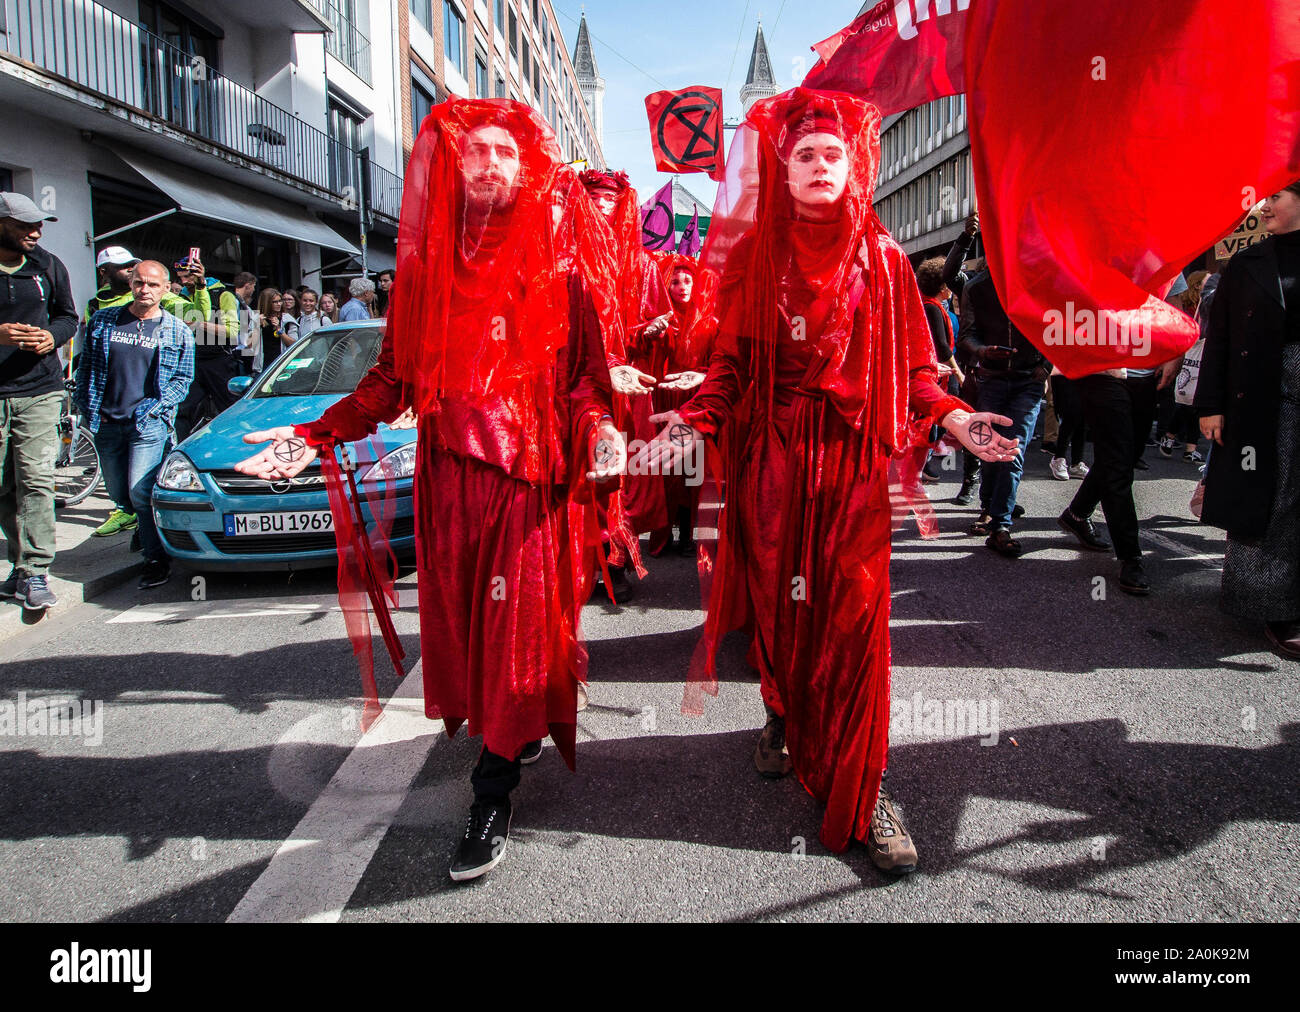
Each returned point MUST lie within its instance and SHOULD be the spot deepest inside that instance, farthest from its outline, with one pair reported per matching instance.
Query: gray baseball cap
(21, 208)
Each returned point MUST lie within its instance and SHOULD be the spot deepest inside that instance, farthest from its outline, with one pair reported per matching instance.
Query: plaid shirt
(175, 370)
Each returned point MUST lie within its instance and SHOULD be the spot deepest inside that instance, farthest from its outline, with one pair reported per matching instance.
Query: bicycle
(76, 465)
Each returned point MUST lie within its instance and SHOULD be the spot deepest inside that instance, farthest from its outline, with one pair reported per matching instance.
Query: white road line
(1182, 551)
(199, 611)
(315, 871)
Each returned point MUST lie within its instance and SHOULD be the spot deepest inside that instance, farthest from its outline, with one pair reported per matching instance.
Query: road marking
(315, 871)
(199, 611)
(1181, 551)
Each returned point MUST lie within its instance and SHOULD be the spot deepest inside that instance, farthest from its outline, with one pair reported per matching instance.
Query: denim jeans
(130, 460)
(1018, 397)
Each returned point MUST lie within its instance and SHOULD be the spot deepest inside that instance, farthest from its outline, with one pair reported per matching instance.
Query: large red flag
(686, 130)
(1114, 146)
(897, 55)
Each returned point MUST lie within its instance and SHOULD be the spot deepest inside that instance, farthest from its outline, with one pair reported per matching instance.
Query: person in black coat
(1248, 401)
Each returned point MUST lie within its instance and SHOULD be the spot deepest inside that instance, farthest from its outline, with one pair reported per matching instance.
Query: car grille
(277, 543)
(234, 483)
(182, 541)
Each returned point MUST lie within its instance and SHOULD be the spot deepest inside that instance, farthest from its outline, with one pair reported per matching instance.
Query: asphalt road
(1144, 766)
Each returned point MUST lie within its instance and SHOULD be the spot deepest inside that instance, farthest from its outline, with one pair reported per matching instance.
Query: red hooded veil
(823, 331)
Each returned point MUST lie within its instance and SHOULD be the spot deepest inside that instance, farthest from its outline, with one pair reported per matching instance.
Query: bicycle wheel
(76, 472)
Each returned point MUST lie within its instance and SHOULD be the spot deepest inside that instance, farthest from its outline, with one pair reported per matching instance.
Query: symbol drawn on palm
(290, 451)
(681, 435)
(605, 453)
(981, 434)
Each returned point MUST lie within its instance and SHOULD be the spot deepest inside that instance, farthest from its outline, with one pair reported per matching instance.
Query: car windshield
(328, 362)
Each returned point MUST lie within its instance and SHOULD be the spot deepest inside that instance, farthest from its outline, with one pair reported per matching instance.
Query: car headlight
(400, 463)
(178, 475)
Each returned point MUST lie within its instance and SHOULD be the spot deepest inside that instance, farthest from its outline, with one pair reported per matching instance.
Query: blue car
(212, 518)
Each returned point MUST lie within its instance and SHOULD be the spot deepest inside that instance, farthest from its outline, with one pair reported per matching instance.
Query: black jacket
(1240, 378)
(984, 324)
(38, 294)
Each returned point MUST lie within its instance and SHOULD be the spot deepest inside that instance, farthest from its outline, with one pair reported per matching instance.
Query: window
(501, 87)
(453, 36)
(480, 75)
(423, 11)
(525, 59)
(500, 19)
(422, 102)
(345, 139)
(513, 34)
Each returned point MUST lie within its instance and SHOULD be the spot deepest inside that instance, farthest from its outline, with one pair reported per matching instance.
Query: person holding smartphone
(1010, 375)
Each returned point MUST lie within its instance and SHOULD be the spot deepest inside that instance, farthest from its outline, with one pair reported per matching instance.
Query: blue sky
(645, 47)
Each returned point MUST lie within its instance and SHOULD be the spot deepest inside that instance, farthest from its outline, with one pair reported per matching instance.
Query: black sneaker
(1133, 578)
(966, 495)
(156, 572)
(1002, 543)
(619, 589)
(34, 594)
(981, 526)
(1166, 447)
(486, 833)
(1084, 530)
(1141, 465)
(135, 540)
(531, 753)
(1017, 513)
(10, 587)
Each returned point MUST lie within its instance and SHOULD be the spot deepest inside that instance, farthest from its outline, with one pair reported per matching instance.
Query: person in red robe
(823, 333)
(495, 337)
(644, 313)
(677, 354)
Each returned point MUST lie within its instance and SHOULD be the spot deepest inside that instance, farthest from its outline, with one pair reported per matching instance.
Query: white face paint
(818, 173)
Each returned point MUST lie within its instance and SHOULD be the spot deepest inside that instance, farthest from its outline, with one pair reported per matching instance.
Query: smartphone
(194, 255)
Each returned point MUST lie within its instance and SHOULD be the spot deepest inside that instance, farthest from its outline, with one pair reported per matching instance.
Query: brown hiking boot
(889, 842)
(771, 758)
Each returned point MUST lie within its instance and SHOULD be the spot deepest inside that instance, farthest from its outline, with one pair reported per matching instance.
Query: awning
(210, 197)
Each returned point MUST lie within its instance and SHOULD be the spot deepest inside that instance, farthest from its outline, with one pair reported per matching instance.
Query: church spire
(584, 60)
(760, 82)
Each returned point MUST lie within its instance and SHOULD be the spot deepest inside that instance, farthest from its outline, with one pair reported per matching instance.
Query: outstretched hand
(976, 433)
(286, 457)
(626, 379)
(608, 453)
(682, 381)
(664, 453)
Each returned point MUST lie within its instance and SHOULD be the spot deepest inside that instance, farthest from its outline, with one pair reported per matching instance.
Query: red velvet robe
(805, 540)
(499, 544)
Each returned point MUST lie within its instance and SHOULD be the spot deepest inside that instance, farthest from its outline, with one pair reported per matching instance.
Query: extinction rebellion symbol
(694, 111)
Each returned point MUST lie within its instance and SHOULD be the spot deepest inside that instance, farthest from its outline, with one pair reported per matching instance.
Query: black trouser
(1119, 414)
(211, 376)
(494, 778)
(1177, 420)
(1071, 431)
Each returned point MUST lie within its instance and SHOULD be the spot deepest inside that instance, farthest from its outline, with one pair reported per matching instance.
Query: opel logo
(281, 486)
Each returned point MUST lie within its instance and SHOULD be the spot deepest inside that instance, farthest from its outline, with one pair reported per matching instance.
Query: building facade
(263, 132)
(495, 49)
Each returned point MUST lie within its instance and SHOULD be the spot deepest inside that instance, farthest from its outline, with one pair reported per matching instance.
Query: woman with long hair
(329, 307)
(279, 330)
(824, 336)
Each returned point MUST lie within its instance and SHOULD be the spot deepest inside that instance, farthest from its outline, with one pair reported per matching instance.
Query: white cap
(118, 256)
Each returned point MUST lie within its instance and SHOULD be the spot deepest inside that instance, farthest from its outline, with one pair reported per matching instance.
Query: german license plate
(240, 525)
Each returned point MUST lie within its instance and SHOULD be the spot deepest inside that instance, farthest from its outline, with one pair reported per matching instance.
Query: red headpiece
(596, 179)
(480, 304)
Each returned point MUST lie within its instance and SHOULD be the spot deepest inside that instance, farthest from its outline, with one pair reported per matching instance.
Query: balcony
(345, 41)
(98, 51)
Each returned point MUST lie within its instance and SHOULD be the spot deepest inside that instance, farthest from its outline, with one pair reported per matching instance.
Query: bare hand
(658, 325)
(664, 453)
(628, 380)
(977, 434)
(973, 223)
(12, 334)
(1212, 428)
(286, 457)
(406, 420)
(41, 342)
(608, 453)
(1169, 372)
(682, 381)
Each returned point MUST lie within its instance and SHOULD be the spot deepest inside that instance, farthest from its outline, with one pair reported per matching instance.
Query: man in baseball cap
(37, 319)
(22, 208)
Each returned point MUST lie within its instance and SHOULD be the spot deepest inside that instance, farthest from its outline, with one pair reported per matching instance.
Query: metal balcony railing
(385, 192)
(345, 41)
(98, 50)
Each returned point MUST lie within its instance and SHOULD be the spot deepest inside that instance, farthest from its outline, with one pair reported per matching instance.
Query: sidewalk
(84, 567)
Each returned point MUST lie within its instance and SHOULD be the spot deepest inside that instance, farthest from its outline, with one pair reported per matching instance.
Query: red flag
(691, 243)
(686, 130)
(1149, 129)
(658, 223)
(897, 55)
